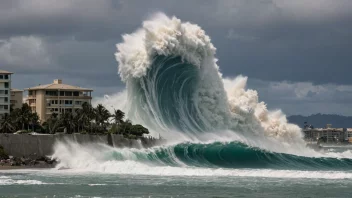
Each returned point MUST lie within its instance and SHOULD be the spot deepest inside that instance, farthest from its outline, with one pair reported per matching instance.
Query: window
(6, 99)
(68, 93)
(6, 85)
(6, 76)
(77, 102)
(30, 93)
(51, 93)
(6, 92)
(68, 102)
(6, 107)
(1, 77)
(62, 93)
(76, 93)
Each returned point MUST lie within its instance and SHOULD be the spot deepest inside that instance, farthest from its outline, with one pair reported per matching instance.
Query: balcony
(67, 97)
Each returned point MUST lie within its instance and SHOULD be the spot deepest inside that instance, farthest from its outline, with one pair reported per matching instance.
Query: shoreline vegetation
(86, 120)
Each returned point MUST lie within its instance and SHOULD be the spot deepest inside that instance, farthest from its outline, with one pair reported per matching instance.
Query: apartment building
(56, 98)
(16, 98)
(5, 96)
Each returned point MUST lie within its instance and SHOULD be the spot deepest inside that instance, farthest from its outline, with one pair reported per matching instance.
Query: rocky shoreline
(10, 162)
(25, 162)
(31, 151)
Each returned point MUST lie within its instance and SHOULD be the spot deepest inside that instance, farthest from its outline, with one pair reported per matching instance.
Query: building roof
(16, 90)
(57, 85)
(5, 72)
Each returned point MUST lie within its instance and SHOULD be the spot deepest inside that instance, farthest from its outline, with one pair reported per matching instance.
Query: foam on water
(9, 181)
(136, 168)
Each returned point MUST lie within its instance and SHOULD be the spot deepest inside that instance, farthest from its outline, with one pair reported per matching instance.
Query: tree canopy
(87, 119)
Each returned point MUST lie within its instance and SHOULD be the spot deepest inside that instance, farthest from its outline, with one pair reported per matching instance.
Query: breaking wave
(187, 155)
(174, 84)
(175, 88)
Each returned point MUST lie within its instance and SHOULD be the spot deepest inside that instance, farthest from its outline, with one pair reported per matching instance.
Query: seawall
(19, 145)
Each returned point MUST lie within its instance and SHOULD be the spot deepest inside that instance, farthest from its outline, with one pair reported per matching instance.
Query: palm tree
(15, 114)
(87, 114)
(68, 121)
(102, 115)
(24, 115)
(34, 120)
(6, 125)
(118, 116)
(52, 124)
(77, 119)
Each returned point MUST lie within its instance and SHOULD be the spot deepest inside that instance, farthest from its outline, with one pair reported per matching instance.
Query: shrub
(3, 154)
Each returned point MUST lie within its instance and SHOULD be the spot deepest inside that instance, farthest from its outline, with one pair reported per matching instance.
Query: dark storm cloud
(268, 40)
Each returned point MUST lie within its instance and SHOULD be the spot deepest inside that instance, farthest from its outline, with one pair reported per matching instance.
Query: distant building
(5, 96)
(349, 134)
(327, 134)
(56, 98)
(16, 98)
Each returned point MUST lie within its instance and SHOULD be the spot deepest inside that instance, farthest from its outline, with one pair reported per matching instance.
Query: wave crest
(174, 84)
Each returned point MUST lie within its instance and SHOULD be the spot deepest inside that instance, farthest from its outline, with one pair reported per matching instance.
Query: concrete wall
(41, 145)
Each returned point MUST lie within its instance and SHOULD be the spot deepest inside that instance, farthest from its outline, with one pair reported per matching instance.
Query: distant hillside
(320, 120)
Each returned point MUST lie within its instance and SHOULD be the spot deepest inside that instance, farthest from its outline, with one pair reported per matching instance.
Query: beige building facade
(16, 98)
(56, 98)
(5, 95)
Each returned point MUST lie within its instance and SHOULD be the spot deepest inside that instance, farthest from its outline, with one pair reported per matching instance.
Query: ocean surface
(257, 183)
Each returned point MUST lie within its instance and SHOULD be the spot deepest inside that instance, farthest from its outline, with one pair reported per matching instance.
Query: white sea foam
(9, 181)
(136, 168)
(80, 162)
(97, 184)
(97, 158)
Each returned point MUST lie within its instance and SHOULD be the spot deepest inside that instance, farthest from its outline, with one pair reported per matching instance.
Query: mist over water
(213, 126)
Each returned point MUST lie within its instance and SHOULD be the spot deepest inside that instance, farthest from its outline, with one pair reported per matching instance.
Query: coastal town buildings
(16, 98)
(56, 98)
(5, 96)
(328, 134)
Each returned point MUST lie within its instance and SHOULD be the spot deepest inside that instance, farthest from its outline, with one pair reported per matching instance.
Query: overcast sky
(297, 54)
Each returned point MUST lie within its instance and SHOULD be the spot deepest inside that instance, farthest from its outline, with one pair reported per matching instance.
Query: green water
(53, 183)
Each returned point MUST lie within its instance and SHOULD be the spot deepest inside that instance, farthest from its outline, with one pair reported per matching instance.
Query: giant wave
(175, 88)
(174, 83)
